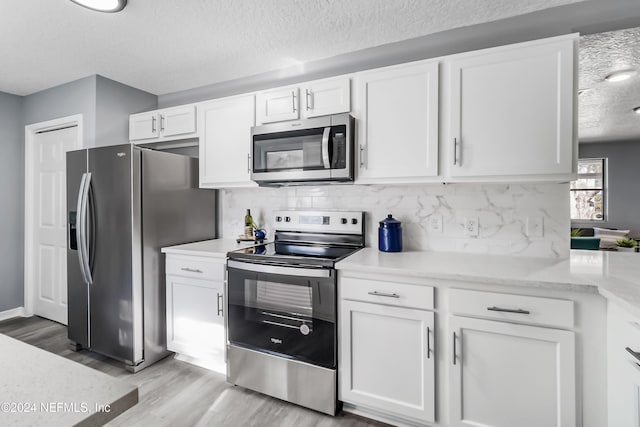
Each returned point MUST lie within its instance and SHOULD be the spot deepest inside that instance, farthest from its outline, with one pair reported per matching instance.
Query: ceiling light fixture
(102, 5)
(636, 110)
(618, 76)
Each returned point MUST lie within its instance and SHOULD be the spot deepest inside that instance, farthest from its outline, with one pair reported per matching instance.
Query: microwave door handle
(325, 148)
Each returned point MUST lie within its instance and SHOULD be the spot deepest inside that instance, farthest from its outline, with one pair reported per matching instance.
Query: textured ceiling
(605, 108)
(164, 46)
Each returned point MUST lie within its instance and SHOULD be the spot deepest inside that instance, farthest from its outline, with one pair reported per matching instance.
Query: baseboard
(14, 312)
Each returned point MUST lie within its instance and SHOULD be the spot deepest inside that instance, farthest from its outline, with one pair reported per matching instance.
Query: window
(588, 192)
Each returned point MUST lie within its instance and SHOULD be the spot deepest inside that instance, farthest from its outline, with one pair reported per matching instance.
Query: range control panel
(346, 222)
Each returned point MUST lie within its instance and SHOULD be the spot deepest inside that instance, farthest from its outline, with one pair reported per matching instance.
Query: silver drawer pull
(509, 310)
(382, 294)
(191, 270)
(635, 354)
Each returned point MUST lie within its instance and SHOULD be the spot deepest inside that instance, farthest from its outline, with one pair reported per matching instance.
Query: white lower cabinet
(195, 310)
(623, 358)
(387, 360)
(505, 375)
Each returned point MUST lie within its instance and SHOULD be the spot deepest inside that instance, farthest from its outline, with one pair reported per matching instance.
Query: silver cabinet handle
(455, 356)
(382, 294)
(362, 156)
(248, 162)
(428, 342)
(191, 270)
(161, 122)
(153, 124)
(635, 354)
(509, 310)
(220, 312)
(308, 96)
(455, 151)
(293, 100)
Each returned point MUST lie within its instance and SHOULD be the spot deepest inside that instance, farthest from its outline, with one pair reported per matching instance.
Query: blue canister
(390, 235)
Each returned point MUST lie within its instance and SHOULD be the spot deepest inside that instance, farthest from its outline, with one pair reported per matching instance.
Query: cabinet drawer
(517, 308)
(195, 267)
(390, 293)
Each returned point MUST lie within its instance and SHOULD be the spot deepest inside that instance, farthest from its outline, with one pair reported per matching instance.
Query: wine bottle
(248, 225)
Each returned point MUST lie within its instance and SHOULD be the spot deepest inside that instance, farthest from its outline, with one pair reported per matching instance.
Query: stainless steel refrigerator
(123, 204)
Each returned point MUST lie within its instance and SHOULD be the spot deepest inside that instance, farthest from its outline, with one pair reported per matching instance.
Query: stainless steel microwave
(310, 151)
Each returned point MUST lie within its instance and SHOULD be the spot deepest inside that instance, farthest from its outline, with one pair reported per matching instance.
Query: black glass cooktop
(288, 253)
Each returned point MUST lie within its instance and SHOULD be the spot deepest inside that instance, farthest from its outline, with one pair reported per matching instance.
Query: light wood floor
(175, 393)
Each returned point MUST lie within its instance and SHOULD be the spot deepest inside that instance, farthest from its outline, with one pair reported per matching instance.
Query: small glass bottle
(248, 225)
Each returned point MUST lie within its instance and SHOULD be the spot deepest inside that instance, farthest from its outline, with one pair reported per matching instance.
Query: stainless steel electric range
(282, 308)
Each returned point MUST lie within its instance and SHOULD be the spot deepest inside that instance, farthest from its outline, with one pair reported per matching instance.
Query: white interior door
(49, 221)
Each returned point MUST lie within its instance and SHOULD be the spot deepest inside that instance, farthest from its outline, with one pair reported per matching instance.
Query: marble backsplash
(501, 209)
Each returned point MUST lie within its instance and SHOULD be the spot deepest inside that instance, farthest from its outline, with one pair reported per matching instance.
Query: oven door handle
(285, 271)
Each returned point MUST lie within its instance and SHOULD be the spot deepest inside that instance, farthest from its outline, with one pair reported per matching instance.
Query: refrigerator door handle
(83, 246)
(81, 228)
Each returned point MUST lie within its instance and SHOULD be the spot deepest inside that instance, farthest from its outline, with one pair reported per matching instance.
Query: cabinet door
(225, 141)
(144, 126)
(511, 110)
(195, 322)
(326, 97)
(178, 121)
(397, 112)
(623, 371)
(278, 105)
(387, 359)
(505, 375)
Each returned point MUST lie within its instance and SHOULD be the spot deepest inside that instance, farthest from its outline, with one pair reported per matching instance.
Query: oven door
(307, 150)
(288, 311)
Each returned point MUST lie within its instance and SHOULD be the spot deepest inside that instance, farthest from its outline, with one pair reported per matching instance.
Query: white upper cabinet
(163, 125)
(396, 109)
(278, 105)
(178, 121)
(511, 110)
(311, 99)
(143, 126)
(324, 97)
(225, 141)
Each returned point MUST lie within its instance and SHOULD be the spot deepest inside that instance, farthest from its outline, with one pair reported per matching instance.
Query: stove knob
(354, 221)
(287, 219)
(278, 219)
(343, 220)
(304, 329)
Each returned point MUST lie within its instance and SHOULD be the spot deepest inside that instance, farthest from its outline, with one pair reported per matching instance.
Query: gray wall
(105, 106)
(114, 102)
(623, 181)
(77, 97)
(12, 194)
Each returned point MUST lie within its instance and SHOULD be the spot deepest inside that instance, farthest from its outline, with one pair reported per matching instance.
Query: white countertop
(614, 275)
(216, 248)
(38, 388)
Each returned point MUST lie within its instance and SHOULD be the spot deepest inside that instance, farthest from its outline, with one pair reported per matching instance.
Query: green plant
(626, 243)
(576, 232)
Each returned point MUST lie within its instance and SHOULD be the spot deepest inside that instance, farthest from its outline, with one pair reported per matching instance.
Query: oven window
(280, 297)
